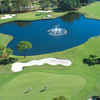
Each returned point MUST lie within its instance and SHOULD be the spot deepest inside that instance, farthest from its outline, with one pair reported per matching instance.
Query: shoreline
(9, 40)
(54, 15)
(86, 11)
(86, 16)
(17, 19)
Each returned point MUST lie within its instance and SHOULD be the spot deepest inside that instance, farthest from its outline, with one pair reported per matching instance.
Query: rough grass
(91, 10)
(5, 39)
(17, 89)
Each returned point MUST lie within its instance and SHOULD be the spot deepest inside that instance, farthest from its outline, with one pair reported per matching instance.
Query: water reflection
(19, 23)
(79, 30)
(23, 24)
(71, 16)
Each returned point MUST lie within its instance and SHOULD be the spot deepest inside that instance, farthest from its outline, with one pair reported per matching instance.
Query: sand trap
(48, 16)
(16, 67)
(8, 16)
(44, 11)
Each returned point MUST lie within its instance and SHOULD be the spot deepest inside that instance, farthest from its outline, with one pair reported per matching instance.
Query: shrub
(59, 98)
(8, 61)
(92, 60)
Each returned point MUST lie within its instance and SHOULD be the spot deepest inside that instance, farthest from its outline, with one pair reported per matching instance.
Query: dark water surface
(78, 27)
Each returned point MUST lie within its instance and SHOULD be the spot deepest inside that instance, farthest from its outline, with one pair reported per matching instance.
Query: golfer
(29, 88)
(45, 88)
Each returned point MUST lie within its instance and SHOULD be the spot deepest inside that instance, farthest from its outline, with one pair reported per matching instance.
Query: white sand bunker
(8, 16)
(16, 67)
(48, 16)
(44, 11)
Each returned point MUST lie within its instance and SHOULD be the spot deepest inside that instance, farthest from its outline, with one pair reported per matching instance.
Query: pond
(79, 30)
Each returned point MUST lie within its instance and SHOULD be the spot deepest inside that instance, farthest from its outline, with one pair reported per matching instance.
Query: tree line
(9, 6)
(65, 4)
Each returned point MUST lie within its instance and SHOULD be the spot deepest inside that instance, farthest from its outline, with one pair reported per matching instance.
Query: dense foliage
(87, 1)
(14, 5)
(5, 52)
(92, 60)
(73, 4)
(59, 98)
(69, 4)
(4, 55)
(8, 61)
(7, 6)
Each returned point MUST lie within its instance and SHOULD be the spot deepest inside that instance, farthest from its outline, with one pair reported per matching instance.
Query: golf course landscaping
(79, 81)
(29, 16)
(76, 82)
(68, 85)
(91, 10)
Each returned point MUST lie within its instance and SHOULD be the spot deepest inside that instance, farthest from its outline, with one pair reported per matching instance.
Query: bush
(59, 98)
(8, 61)
(96, 97)
(92, 60)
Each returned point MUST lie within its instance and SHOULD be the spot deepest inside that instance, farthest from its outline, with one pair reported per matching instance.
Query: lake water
(79, 30)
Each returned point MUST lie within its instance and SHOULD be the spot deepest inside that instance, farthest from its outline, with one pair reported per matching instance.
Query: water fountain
(57, 31)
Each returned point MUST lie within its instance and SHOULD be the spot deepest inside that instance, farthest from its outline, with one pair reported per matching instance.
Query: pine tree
(70, 4)
(78, 4)
(74, 4)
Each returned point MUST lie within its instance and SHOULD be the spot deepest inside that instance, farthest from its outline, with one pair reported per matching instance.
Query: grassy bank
(29, 16)
(5, 39)
(91, 10)
(89, 73)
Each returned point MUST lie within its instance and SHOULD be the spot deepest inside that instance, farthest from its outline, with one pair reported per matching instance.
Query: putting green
(67, 85)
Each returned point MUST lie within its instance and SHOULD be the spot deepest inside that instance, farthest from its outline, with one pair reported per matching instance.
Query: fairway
(67, 85)
(92, 10)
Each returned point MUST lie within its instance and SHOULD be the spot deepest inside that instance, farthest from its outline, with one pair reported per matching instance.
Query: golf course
(56, 85)
(79, 81)
(91, 11)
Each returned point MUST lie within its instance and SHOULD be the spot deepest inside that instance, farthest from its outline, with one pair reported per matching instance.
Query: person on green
(45, 88)
(29, 88)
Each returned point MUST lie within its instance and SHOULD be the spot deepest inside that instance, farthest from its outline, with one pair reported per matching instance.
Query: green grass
(76, 55)
(68, 85)
(91, 10)
(29, 16)
(56, 75)
(5, 39)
